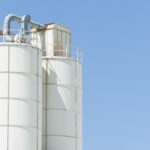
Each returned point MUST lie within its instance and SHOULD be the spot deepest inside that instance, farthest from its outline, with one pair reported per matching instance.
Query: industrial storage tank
(62, 90)
(20, 89)
(62, 108)
(20, 97)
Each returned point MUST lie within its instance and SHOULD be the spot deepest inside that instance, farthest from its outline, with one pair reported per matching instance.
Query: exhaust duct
(25, 22)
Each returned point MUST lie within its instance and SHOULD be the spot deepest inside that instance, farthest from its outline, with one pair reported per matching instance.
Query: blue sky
(115, 38)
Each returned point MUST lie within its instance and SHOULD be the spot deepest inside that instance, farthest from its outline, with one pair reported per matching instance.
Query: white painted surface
(64, 97)
(61, 89)
(55, 40)
(4, 59)
(3, 112)
(62, 104)
(22, 112)
(4, 85)
(44, 143)
(61, 123)
(61, 143)
(23, 82)
(22, 138)
(3, 138)
(20, 97)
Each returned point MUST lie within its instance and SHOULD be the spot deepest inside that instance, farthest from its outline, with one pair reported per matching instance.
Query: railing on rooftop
(15, 37)
(74, 53)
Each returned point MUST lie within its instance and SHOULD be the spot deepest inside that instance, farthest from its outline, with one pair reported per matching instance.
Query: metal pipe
(24, 24)
(36, 25)
(25, 20)
(7, 22)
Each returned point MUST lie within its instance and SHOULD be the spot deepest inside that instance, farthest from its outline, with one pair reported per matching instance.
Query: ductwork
(36, 25)
(25, 22)
(7, 22)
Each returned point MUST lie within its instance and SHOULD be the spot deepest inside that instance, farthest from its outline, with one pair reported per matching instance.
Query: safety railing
(15, 37)
(73, 53)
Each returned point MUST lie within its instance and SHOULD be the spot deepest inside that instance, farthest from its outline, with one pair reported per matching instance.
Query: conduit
(25, 22)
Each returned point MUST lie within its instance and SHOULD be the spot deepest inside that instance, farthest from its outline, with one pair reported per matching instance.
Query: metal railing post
(77, 54)
(66, 52)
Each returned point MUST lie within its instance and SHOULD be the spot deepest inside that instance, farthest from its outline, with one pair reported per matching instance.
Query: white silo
(62, 90)
(20, 93)
(20, 97)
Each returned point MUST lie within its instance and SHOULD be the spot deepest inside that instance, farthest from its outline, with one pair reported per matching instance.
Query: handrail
(73, 52)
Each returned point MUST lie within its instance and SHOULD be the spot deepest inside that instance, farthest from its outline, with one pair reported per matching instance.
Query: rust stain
(1, 32)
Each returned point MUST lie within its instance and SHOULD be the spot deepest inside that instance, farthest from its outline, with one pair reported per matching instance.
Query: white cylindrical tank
(62, 104)
(20, 97)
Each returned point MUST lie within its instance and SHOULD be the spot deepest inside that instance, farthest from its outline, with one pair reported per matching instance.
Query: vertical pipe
(24, 24)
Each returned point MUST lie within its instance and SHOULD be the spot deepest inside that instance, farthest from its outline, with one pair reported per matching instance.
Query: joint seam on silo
(59, 109)
(76, 120)
(62, 58)
(21, 99)
(14, 72)
(8, 98)
(37, 103)
(78, 138)
(21, 126)
(46, 124)
(22, 45)
(67, 85)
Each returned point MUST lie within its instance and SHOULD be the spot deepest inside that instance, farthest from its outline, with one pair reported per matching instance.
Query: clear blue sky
(115, 38)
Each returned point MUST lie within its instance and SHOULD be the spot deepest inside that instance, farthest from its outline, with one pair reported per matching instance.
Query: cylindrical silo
(62, 89)
(62, 104)
(20, 97)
